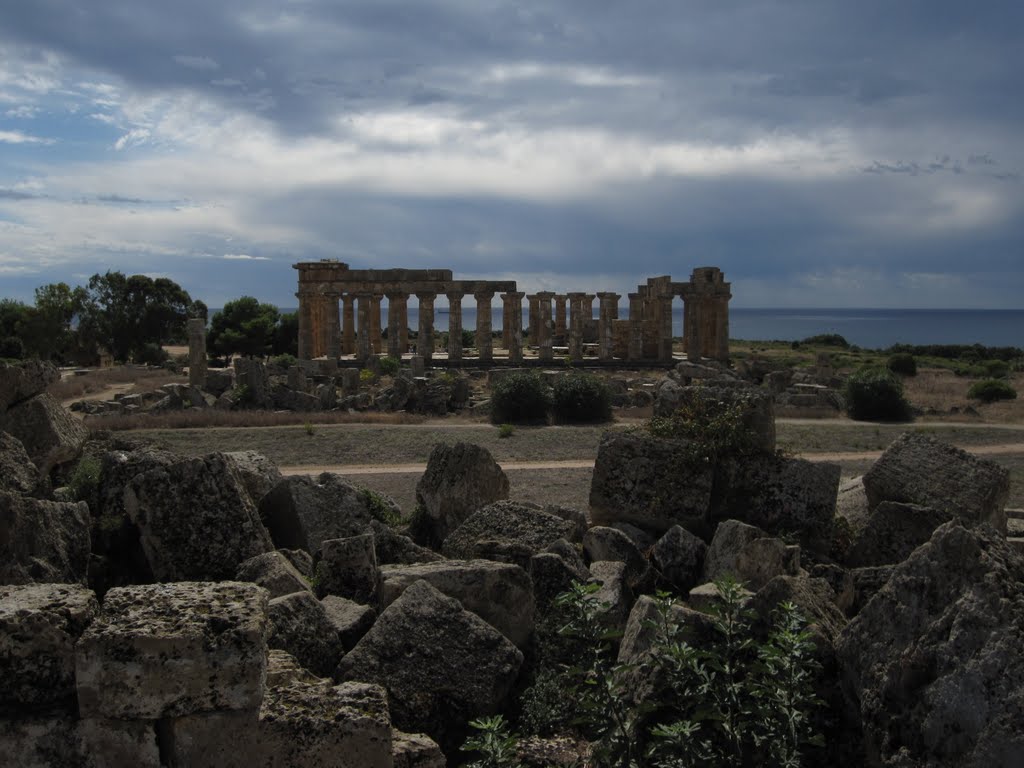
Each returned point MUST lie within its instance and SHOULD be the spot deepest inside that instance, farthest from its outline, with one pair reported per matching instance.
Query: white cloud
(17, 137)
(25, 112)
(593, 77)
(133, 138)
(243, 257)
(201, 63)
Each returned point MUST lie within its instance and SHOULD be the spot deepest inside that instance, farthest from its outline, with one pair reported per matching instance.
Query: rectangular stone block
(166, 650)
(39, 626)
(45, 742)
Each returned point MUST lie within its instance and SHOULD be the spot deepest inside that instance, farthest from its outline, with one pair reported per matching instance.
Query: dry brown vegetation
(211, 418)
(94, 382)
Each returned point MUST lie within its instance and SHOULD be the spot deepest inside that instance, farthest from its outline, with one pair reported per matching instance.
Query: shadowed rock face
(43, 541)
(935, 661)
(441, 664)
(17, 472)
(24, 380)
(50, 434)
(507, 531)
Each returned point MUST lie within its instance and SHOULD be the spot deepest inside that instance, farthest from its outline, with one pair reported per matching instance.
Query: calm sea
(870, 328)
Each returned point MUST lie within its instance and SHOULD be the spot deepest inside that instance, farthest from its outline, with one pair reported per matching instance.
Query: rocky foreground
(160, 611)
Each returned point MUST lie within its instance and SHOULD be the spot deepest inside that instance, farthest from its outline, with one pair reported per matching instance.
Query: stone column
(664, 309)
(506, 321)
(534, 319)
(722, 328)
(376, 343)
(348, 329)
(608, 313)
(544, 327)
(363, 310)
(197, 351)
(691, 327)
(514, 315)
(575, 325)
(333, 335)
(455, 327)
(305, 327)
(425, 342)
(560, 326)
(484, 343)
(394, 324)
(636, 326)
(403, 323)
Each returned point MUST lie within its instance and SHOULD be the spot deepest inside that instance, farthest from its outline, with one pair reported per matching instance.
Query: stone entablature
(555, 320)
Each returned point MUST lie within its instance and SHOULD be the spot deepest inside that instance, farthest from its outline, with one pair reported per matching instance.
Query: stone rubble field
(209, 611)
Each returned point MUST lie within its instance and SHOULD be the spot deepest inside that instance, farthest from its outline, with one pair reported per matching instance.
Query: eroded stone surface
(163, 650)
(679, 558)
(17, 472)
(43, 541)
(508, 531)
(299, 625)
(50, 434)
(274, 572)
(350, 619)
(258, 473)
(22, 380)
(892, 532)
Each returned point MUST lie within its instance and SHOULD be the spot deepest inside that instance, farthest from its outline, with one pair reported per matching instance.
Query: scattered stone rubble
(210, 612)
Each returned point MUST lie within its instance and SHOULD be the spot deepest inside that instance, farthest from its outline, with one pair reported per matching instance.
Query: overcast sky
(823, 154)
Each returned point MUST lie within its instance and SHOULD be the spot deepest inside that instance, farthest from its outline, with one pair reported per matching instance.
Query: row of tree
(132, 317)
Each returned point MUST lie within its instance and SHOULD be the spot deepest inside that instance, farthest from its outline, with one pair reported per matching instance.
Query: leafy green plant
(309, 428)
(996, 369)
(389, 365)
(366, 376)
(379, 508)
(827, 340)
(875, 394)
(85, 479)
(713, 426)
(285, 361)
(519, 398)
(506, 430)
(991, 390)
(902, 363)
(494, 742)
(581, 398)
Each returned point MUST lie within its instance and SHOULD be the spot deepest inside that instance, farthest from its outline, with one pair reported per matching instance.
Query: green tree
(244, 326)
(286, 335)
(15, 319)
(50, 333)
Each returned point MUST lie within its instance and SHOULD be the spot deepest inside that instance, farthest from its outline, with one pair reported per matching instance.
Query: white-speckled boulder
(300, 626)
(48, 741)
(274, 572)
(195, 519)
(164, 650)
(499, 593)
(258, 473)
(50, 434)
(43, 541)
(348, 568)
(918, 469)
(507, 531)
(17, 472)
(459, 480)
(39, 626)
(441, 664)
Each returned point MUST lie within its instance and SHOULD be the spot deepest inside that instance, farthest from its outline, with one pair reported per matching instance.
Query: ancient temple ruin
(562, 323)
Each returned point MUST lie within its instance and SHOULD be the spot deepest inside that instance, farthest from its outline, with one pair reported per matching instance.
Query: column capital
(455, 295)
(513, 296)
(545, 295)
(426, 295)
(485, 295)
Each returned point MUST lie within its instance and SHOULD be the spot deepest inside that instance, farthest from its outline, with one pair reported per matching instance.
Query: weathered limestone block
(252, 375)
(761, 560)
(706, 597)
(219, 381)
(50, 434)
(43, 541)
(23, 380)
(781, 495)
(944, 634)
(195, 519)
(755, 404)
(603, 543)
(647, 482)
(284, 669)
(730, 537)
(815, 600)
(258, 473)
(459, 480)
(117, 468)
(499, 593)
(508, 531)
(852, 504)
(17, 472)
(679, 558)
(918, 469)
(302, 513)
(348, 568)
(867, 582)
(394, 548)
(615, 593)
(274, 572)
(350, 619)
(39, 626)
(841, 582)
(441, 664)
(892, 532)
(299, 625)
(164, 650)
(415, 750)
(304, 724)
(45, 742)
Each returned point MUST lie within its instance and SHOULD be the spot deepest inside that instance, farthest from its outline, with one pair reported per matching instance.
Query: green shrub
(285, 361)
(902, 364)
(712, 427)
(497, 747)
(990, 390)
(151, 354)
(827, 340)
(85, 480)
(996, 369)
(389, 365)
(580, 398)
(519, 398)
(875, 394)
(366, 376)
(506, 430)
(380, 509)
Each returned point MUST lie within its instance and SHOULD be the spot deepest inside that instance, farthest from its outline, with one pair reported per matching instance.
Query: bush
(85, 480)
(366, 376)
(506, 430)
(580, 398)
(903, 364)
(711, 426)
(519, 398)
(990, 390)
(284, 361)
(389, 365)
(151, 354)
(12, 348)
(828, 340)
(875, 394)
(996, 369)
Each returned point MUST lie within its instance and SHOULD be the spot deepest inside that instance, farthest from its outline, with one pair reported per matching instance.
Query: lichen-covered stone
(39, 626)
(508, 531)
(195, 519)
(415, 750)
(274, 572)
(605, 543)
(935, 660)
(258, 473)
(50, 434)
(301, 724)
(22, 380)
(648, 482)
(350, 619)
(46, 742)
(731, 536)
(164, 650)
(441, 664)
(299, 625)
(615, 595)
(348, 568)
(17, 472)
(892, 532)
(679, 558)
(459, 480)
(918, 469)
(499, 593)
(43, 541)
